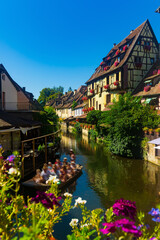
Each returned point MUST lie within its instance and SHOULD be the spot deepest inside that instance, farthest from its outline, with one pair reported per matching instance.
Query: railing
(31, 157)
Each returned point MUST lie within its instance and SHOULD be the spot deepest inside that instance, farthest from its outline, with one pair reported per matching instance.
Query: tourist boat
(43, 187)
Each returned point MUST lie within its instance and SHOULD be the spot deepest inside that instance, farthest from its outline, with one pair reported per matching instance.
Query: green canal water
(106, 178)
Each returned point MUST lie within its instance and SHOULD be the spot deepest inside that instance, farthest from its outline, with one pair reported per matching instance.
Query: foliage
(77, 128)
(48, 118)
(41, 147)
(144, 146)
(93, 134)
(47, 94)
(69, 89)
(74, 104)
(94, 116)
(36, 219)
(127, 118)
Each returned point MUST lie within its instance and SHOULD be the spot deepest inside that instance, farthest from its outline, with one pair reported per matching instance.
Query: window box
(108, 58)
(92, 91)
(84, 98)
(138, 65)
(118, 52)
(106, 86)
(116, 83)
(116, 63)
(147, 88)
(125, 48)
(106, 68)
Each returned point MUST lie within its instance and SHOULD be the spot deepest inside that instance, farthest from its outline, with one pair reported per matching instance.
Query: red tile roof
(131, 38)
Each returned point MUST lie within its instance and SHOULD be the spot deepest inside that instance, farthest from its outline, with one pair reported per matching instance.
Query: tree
(46, 93)
(69, 89)
(127, 118)
(74, 105)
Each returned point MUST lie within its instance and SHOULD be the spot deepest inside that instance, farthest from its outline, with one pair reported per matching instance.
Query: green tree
(94, 116)
(74, 105)
(127, 118)
(45, 94)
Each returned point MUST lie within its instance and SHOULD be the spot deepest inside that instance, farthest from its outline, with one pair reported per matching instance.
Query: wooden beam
(34, 163)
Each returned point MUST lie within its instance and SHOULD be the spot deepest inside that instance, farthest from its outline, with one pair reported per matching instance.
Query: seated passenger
(58, 162)
(38, 178)
(73, 157)
(64, 160)
(49, 165)
(70, 172)
(53, 171)
(63, 176)
(45, 172)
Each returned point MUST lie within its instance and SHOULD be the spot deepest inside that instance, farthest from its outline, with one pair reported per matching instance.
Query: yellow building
(124, 67)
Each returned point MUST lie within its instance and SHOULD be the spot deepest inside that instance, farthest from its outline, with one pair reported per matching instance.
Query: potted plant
(157, 130)
(145, 129)
(150, 131)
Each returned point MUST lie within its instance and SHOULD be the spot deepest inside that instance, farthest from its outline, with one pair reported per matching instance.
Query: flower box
(108, 58)
(92, 91)
(158, 71)
(106, 86)
(84, 98)
(125, 48)
(92, 108)
(147, 48)
(116, 83)
(101, 63)
(147, 88)
(116, 63)
(106, 68)
(138, 65)
(118, 52)
(155, 72)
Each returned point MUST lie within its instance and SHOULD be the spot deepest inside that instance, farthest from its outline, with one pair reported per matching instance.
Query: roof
(17, 87)
(155, 141)
(131, 40)
(12, 120)
(153, 91)
(80, 105)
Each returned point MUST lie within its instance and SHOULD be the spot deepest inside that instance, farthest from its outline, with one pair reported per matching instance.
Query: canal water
(106, 178)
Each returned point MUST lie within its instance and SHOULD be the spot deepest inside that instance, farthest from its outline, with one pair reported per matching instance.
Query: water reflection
(113, 177)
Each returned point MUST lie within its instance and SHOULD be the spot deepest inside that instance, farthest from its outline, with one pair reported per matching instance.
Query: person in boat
(65, 160)
(63, 176)
(38, 178)
(73, 166)
(69, 170)
(73, 157)
(49, 165)
(53, 171)
(45, 172)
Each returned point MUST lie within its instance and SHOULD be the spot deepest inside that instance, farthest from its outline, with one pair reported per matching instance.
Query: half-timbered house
(124, 67)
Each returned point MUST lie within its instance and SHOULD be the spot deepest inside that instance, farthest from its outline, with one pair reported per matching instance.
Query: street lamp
(158, 10)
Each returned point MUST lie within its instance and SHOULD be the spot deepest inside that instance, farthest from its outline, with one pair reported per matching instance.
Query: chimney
(75, 91)
(114, 44)
(24, 89)
(131, 31)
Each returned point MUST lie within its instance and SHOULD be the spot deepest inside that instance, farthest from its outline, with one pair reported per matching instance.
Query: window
(92, 85)
(138, 42)
(112, 78)
(118, 59)
(96, 105)
(100, 107)
(152, 60)
(97, 88)
(117, 76)
(3, 100)
(137, 59)
(101, 90)
(93, 102)
(3, 77)
(108, 80)
(108, 98)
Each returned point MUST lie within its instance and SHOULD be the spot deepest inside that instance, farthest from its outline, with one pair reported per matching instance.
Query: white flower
(74, 222)
(53, 179)
(66, 194)
(86, 225)
(79, 201)
(13, 171)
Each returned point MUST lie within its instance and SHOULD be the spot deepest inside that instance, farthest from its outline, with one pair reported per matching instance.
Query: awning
(149, 99)
(158, 147)
(155, 141)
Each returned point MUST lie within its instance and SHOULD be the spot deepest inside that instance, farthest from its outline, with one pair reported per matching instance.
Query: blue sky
(52, 43)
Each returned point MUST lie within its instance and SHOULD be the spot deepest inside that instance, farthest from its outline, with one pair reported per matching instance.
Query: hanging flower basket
(108, 58)
(125, 48)
(116, 83)
(77, 120)
(158, 71)
(92, 91)
(147, 48)
(147, 88)
(106, 68)
(116, 63)
(118, 52)
(106, 86)
(101, 63)
(138, 65)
